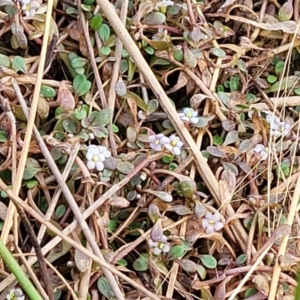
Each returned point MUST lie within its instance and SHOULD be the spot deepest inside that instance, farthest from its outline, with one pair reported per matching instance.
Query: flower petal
(218, 226)
(100, 166)
(209, 229)
(156, 251)
(166, 248)
(176, 150)
(91, 165)
(209, 216)
(216, 217)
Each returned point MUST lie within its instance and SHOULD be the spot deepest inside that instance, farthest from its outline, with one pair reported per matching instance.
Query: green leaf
(122, 262)
(272, 78)
(125, 167)
(56, 153)
(79, 62)
(81, 85)
(30, 184)
(114, 128)
(218, 52)
(96, 21)
(252, 291)
(154, 18)
(176, 252)
(152, 106)
(30, 172)
(201, 271)
(105, 50)
(178, 55)
(10, 10)
(105, 288)
(86, 7)
(60, 211)
(164, 196)
(81, 112)
(279, 67)
(218, 140)
(70, 125)
(71, 10)
(47, 91)
(187, 265)
(124, 66)
(104, 32)
(19, 64)
(3, 136)
(149, 50)
(208, 261)
(231, 137)
(5, 61)
(241, 259)
(141, 264)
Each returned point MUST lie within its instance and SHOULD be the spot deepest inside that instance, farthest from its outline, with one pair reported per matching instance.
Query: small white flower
(15, 294)
(30, 7)
(277, 127)
(95, 156)
(282, 129)
(189, 115)
(161, 246)
(158, 141)
(212, 222)
(261, 151)
(174, 145)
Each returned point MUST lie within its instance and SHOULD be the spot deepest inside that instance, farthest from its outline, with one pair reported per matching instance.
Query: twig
(38, 252)
(84, 26)
(114, 76)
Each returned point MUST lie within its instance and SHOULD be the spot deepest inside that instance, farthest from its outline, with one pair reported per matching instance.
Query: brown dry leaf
(83, 46)
(65, 98)
(43, 108)
(181, 82)
(261, 283)
(118, 202)
(220, 292)
(196, 100)
(257, 122)
(229, 177)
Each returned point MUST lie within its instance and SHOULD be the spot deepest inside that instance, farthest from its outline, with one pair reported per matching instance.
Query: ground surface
(149, 149)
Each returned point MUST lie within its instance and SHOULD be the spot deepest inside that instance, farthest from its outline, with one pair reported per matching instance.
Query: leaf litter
(185, 192)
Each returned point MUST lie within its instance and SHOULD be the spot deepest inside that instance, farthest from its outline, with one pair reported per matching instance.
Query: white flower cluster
(96, 155)
(15, 294)
(277, 127)
(159, 141)
(189, 115)
(29, 7)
